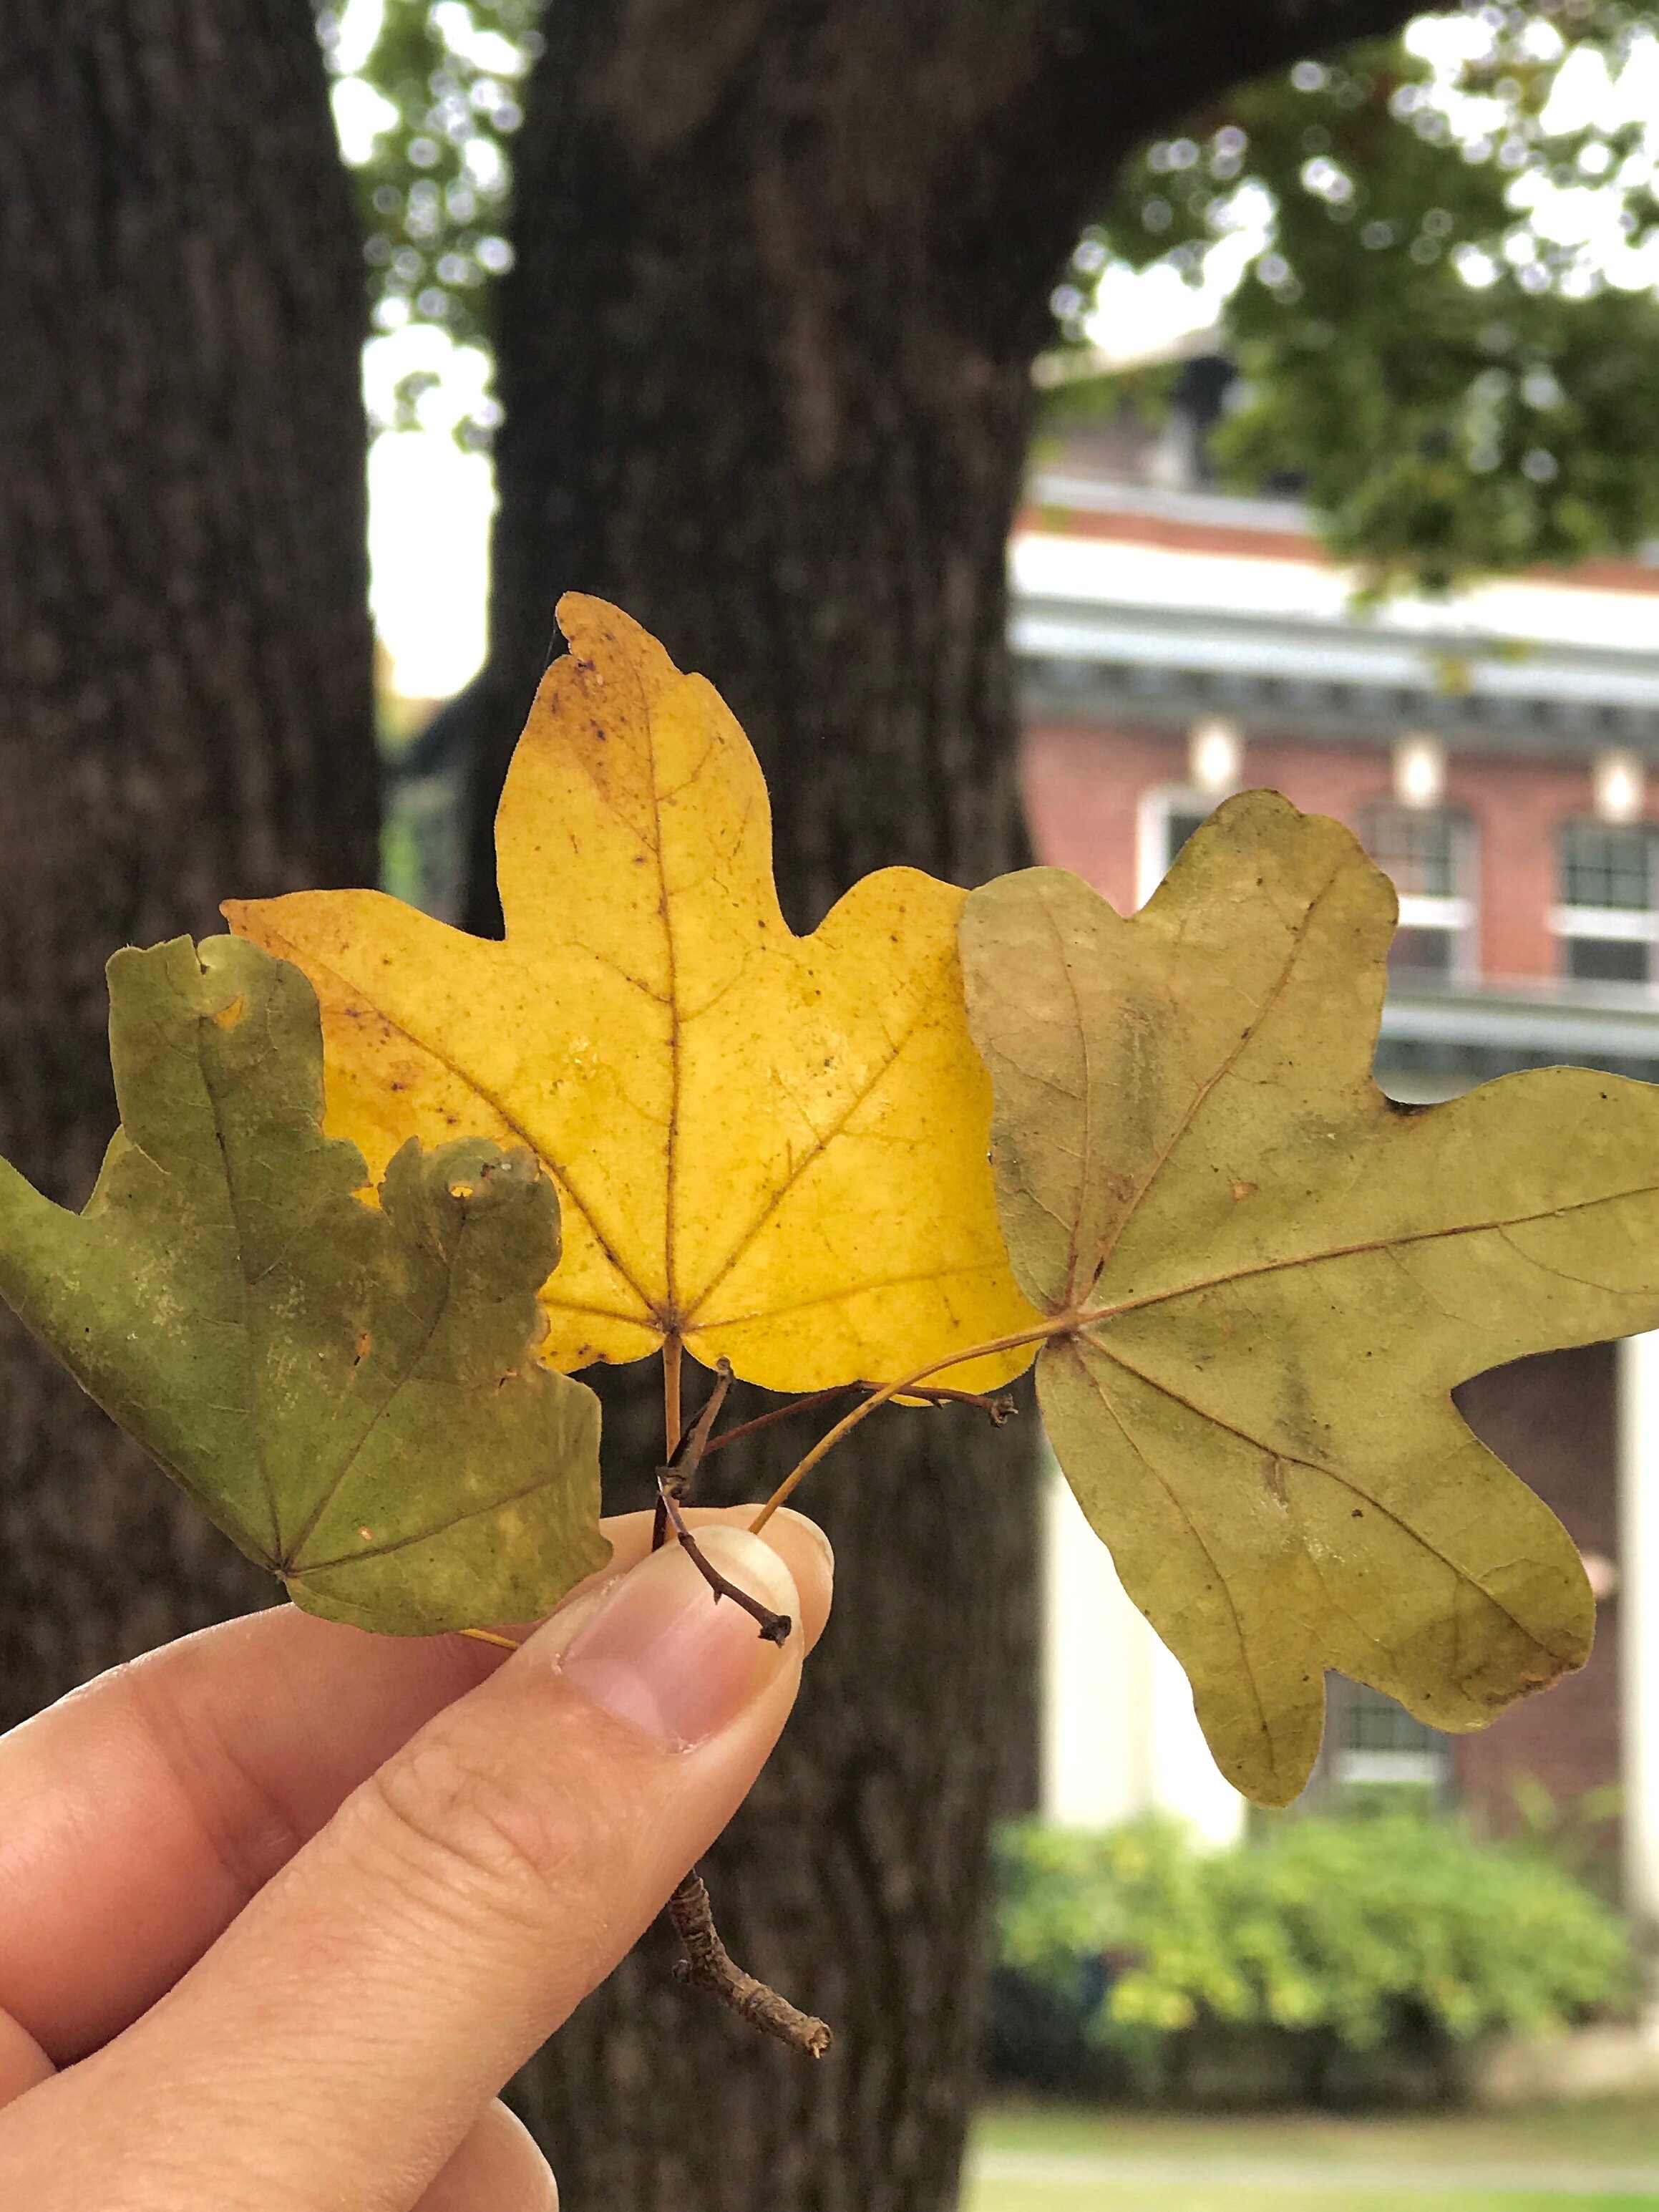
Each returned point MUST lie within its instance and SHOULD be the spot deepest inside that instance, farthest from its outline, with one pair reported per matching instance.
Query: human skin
(284, 1904)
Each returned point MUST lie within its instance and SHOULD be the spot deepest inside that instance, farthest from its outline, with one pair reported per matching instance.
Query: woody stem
(848, 1422)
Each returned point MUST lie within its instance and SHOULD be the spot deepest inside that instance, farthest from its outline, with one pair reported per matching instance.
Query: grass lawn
(1601, 2157)
(1140, 2196)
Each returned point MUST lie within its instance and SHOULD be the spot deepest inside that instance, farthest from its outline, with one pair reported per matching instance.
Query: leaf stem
(672, 1418)
(489, 1636)
(849, 1421)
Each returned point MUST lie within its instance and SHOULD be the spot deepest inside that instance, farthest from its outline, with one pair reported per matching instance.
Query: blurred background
(1040, 425)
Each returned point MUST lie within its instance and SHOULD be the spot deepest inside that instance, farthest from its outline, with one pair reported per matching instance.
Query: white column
(1638, 1616)
(1119, 1732)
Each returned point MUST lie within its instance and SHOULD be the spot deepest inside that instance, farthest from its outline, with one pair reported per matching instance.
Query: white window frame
(1428, 1764)
(1459, 917)
(1625, 925)
(1608, 925)
(1152, 831)
(1611, 925)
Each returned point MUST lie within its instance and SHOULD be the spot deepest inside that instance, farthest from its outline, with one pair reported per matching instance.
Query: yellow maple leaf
(769, 1147)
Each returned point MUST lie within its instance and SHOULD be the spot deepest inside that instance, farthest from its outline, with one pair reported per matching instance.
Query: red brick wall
(1551, 1418)
(1082, 785)
(1084, 781)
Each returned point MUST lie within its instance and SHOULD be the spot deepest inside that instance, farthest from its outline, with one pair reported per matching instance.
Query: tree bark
(781, 271)
(186, 702)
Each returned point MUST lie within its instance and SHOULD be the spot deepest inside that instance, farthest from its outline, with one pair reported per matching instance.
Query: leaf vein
(816, 1150)
(1354, 1489)
(1499, 1224)
(1298, 936)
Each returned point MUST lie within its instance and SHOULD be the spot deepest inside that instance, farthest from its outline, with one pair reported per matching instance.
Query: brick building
(1495, 757)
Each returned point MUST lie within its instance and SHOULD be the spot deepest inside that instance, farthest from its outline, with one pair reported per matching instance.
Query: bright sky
(431, 504)
(429, 509)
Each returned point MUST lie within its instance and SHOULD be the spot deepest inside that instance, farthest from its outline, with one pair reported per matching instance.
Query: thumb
(338, 2041)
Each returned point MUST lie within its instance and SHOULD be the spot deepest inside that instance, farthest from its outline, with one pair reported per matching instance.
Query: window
(1606, 921)
(1376, 1741)
(1429, 852)
(1168, 820)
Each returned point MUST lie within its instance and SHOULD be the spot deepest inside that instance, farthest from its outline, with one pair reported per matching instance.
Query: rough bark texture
(781, 269)
(185, 707)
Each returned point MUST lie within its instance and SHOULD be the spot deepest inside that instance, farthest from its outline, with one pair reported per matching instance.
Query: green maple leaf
(1266, 1279)
(351, 1392)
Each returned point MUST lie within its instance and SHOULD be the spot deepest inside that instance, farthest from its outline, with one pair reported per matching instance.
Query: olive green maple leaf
(351, 1391)
(1264, 1280)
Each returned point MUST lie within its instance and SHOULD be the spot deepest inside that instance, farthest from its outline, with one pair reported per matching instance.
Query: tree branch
(709, 1966)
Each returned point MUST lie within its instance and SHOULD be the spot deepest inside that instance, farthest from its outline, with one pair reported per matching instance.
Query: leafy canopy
(352, 1393)
(427, 115)
(1433, 335)
(1265, 1279)
(767, 1147)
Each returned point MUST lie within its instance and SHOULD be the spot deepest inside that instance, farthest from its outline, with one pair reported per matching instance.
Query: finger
(143, 1812)
(395, 1973)
(23, 2064)
(497, 2169)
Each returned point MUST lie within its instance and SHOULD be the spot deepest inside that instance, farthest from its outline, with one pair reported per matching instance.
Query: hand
(284, 1904)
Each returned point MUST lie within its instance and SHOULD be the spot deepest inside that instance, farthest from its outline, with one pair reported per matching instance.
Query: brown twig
(689, 1453)
(707, 1964)
(997, 1409)
(774, 1627)
(780, 1414)
(906, 1386)
(686, 1455)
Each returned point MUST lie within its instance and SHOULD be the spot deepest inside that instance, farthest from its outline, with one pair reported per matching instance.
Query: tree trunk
(781, 269)
(186, 705)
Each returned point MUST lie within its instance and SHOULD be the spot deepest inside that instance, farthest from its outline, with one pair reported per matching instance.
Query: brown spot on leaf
(1243, 1190)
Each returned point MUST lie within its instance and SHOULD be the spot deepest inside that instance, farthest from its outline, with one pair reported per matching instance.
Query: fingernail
(659, 1652)
(820, 1541)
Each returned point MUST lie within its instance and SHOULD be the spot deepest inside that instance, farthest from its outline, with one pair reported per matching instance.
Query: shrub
(1348, 1933)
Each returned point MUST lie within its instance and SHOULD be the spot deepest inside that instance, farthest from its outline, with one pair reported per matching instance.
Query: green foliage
(1072, 393)
(432, 193)
(1578, 1834)
(1457, 389)
(351, 1391)
(1328, 1924)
